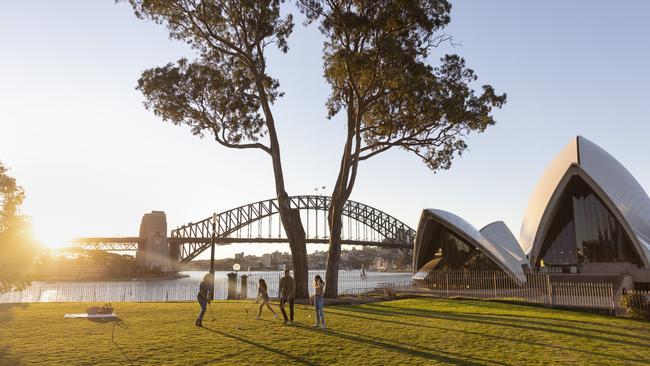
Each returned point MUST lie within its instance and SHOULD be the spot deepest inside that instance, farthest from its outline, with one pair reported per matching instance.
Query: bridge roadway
(366, 226)
(130, 243)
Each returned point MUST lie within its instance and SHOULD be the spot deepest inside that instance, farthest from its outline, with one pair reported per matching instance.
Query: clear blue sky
(93, 160)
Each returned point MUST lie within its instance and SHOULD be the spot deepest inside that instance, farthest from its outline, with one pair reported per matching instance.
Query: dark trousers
(284, 314)
(203, 302)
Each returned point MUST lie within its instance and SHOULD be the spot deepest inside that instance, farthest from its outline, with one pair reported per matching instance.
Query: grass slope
(414, 331)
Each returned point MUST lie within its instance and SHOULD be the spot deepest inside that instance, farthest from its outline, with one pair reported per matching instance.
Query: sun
(51, 237)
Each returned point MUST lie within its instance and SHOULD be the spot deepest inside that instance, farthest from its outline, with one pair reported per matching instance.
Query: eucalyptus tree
(377, 62)
(17, 245)
(226, 91)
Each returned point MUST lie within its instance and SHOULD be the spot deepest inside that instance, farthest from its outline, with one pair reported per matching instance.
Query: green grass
(413, 331)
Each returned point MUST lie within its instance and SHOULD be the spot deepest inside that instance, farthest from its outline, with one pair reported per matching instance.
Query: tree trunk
(296, 235)
(290, 217)
(334, 254)
(340, 195)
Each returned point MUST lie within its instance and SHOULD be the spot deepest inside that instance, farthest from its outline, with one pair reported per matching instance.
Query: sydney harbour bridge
(256, 223)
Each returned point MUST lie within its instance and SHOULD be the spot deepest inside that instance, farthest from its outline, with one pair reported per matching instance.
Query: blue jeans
(319, 304)
(203, 302)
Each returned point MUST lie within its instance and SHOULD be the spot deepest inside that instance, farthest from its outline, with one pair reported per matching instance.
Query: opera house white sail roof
(502, 255)
(619, 191)
(498, 233)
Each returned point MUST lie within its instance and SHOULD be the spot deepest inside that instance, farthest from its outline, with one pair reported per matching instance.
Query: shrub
(636, 305)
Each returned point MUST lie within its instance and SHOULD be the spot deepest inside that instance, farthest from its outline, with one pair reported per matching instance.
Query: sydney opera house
(588, 218)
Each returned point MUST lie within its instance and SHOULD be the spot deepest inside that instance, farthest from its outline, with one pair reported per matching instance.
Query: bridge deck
(131, 243)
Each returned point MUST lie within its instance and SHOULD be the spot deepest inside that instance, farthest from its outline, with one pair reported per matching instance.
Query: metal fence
(182, 289)
(539, 288)
(349, 282)
(132, 291)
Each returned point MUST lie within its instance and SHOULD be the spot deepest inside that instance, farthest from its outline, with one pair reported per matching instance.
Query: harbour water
(184, 289)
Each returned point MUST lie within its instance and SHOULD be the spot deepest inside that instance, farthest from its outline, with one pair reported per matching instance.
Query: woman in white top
(319, 302)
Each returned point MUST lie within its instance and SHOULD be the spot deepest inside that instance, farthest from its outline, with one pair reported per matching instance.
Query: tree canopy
(377, 63)
(17, 246)
(226, 91)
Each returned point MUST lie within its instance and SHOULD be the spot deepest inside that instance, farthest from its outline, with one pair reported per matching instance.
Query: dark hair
(263, 283)
(319, 280)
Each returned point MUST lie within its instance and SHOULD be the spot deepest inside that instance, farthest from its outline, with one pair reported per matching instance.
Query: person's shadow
(293, 358)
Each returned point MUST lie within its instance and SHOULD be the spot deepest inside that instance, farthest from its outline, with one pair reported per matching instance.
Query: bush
(636, 305)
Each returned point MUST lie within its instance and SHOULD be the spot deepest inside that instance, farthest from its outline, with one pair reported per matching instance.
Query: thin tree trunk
(334, 254)
(342, 190)
(296, 235)
(290, 217)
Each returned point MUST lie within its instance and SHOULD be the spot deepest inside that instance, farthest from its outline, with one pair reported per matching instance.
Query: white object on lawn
(86, 315)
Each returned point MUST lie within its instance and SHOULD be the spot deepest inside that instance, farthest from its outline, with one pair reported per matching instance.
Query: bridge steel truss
(192, 239)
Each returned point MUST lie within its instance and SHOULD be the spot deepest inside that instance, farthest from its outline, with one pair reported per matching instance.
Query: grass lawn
(413, 331)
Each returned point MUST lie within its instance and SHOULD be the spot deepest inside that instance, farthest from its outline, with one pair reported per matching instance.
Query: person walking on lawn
(263, 295)
(205, 291)
(319, 302)
(287, 294)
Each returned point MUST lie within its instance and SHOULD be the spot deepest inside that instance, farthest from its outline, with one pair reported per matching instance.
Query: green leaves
(216, 98)
(226, 88)
(376, 64)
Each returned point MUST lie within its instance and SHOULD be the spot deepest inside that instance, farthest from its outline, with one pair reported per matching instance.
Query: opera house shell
(587, 216)
(445, 241)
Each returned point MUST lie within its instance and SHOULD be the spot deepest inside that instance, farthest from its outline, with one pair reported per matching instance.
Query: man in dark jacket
(287, 294)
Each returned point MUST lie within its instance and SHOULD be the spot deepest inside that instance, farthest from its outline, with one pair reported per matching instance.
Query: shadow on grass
(294, 359)
(119, 323)
(501, 305)
(491, 336)
(105, 320)
(380, 309)
(7, 359)
(391, 345)
(6, 314)
(562, 323)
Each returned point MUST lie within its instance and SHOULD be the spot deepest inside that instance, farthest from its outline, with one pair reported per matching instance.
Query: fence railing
(181, 289)
(539, 288)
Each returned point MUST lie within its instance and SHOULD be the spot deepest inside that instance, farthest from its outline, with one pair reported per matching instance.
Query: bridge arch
(188, 241)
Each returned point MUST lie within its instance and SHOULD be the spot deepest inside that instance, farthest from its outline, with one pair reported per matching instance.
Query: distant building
(267, 260)
(276, 257)
(239, 257)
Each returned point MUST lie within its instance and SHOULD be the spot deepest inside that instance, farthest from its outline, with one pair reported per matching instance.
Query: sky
(93, 160)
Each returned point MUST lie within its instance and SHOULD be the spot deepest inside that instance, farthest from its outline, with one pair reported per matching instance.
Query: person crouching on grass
(205, 290)
(319, 301)
(287, 294)
(263, 295)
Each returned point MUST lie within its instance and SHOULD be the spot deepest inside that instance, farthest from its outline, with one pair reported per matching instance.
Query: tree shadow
(7, 359)
(391, 345)
(293, 358)
(471, 318)
(490, 336)
(5, 311)
(562, 323)
(499, 305)
(6, 315)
